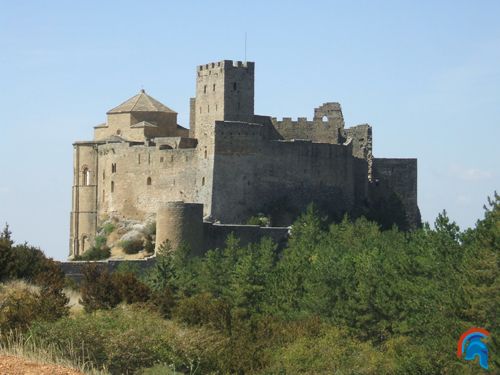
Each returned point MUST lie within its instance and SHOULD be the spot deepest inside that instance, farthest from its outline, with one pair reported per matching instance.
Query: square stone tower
(224, 92)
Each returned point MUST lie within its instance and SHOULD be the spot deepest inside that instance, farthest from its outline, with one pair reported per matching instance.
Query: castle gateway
(235, 163)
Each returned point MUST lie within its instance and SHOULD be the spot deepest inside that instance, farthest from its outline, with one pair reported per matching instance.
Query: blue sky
(424, 74)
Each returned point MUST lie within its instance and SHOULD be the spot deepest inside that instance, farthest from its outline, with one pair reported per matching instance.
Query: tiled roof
(141, 102)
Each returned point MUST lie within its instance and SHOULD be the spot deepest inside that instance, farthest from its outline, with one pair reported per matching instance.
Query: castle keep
(230, 165)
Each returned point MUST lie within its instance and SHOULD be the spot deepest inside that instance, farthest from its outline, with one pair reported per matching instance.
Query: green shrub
(130, 288)
(150, 229)
(260, 220)
(333, 352)
(19, 306)
(7, 269)
(164, 301)
(22, 303)
(95, 253)
(127, 339)
(149, 246)
(108, 228)
(97, 289)
(53, 301)
(28, 261)
(132, 246)
(204, 309)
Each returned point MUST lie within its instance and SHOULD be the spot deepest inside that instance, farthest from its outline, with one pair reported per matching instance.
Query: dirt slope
(10, 365)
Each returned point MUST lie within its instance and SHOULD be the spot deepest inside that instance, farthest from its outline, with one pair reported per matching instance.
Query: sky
(424, 74)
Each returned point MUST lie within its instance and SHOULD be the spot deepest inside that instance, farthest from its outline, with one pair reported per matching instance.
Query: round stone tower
(180, 222)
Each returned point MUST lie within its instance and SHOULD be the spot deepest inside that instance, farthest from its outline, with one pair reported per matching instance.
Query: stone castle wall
(135, 179)
(399, 176)
(252, 173)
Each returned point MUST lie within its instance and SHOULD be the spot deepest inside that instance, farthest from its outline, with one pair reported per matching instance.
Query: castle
(229, 166)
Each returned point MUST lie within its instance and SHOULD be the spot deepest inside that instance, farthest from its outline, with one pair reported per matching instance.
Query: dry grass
(17, 285)
(22, 346)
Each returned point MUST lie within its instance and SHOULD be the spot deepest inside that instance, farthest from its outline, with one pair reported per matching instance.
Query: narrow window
(203, 181)
(234, 85)
(148, 181)
(205, 89)
(84, 243)
(138, 158)
(103, 174)
(213, 87)
(216, 108)
(112, 186)
(86, 177)
(161, 159)
(208, 108)
(200, 109)
(171, 157)
(205, 154)
(113, 168)
(149, 158)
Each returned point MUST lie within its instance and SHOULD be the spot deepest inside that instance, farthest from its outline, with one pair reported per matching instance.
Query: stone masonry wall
(135, 179)
(400, 175)
(252, 174)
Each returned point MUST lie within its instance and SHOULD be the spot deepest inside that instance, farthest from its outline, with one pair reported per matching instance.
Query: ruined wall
(252, 174)
(326, 127)
(361, 137)
(400, 176)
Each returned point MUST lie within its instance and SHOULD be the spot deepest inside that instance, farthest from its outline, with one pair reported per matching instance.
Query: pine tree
(6, 254)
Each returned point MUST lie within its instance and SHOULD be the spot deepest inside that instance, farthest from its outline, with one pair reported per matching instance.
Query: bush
(132, 246)
(53, 301)
(22, 303)
(19, 306)
(108, 228)
(95, 253)
(260, 220)
(130, 288)
(333, 352)
(204, 309)
(98, 290)
(6, 254)
(28, 261)
(127, 339)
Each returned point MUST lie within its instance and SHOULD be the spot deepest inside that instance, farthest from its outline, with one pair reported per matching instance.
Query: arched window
(148, 181)
(205, 154)
(84, 243)
(112, 186)
(203, 181)
(86, 176)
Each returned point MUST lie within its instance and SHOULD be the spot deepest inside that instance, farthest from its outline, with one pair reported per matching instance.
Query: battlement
(227, 64)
